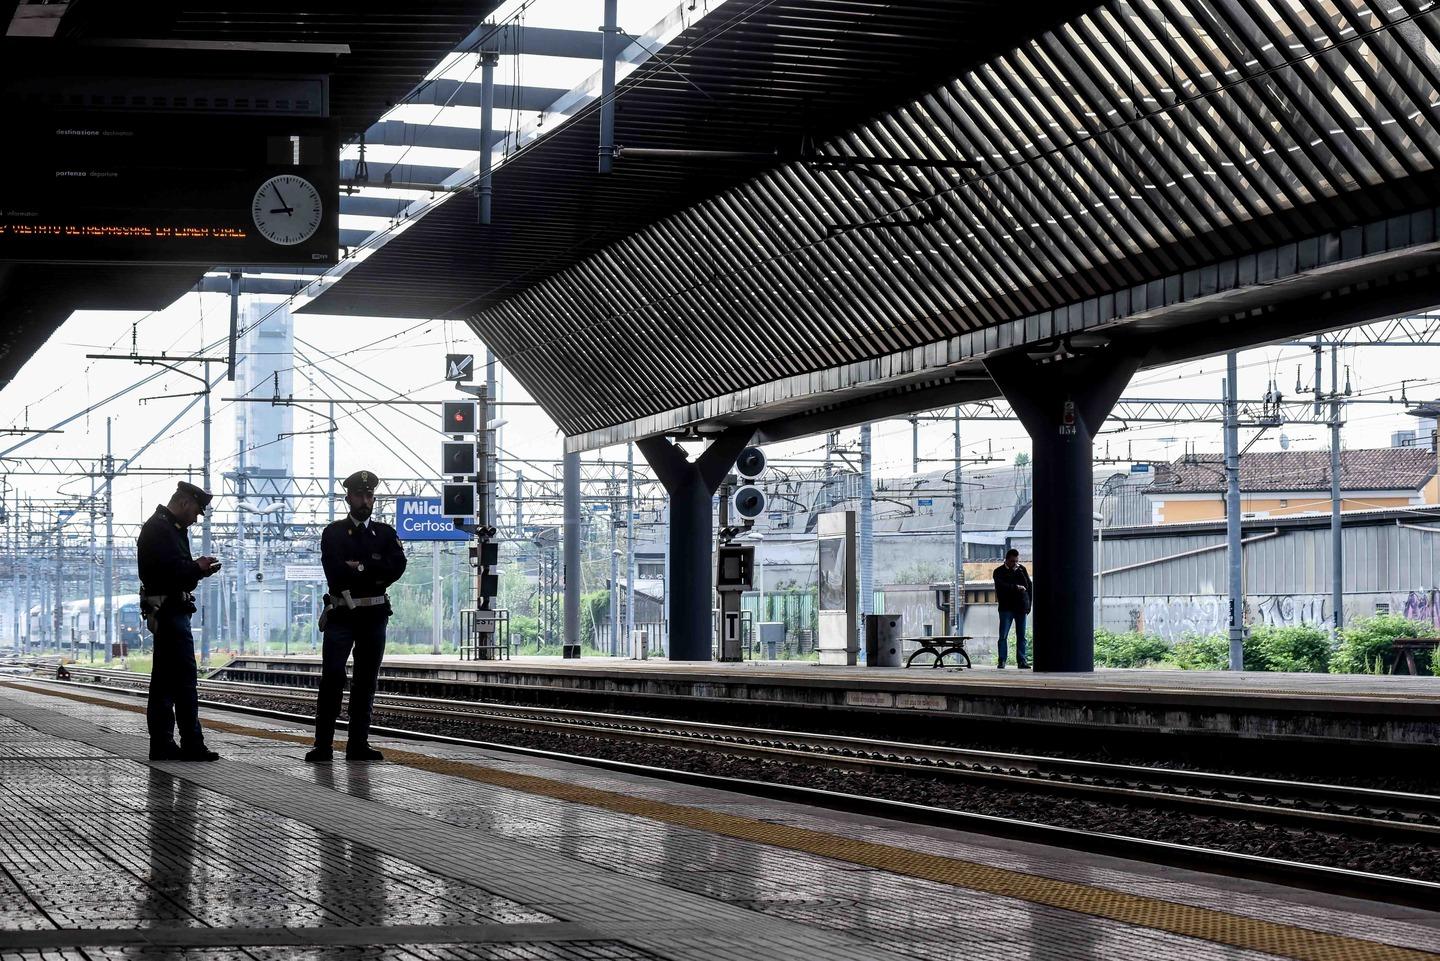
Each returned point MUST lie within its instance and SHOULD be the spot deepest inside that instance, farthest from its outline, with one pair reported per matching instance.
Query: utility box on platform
(772, 636)
(883, 646)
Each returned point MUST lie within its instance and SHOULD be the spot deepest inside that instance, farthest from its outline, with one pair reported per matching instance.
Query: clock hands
(284, 207)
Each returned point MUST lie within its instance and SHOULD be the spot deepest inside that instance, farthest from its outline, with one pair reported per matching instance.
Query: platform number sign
(460, 367)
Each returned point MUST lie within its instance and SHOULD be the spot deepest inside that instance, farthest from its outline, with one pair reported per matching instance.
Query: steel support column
(1062, 405)
(109, 543)
(691, 485)
(867, 532)
(235, 278)
(1232, 514)
(572, 554)
(610, 48)
(629, 545)
(957, 586)
(330, 491)
(207, 547)
(1337, 507)
(614, 576)
(483, 188)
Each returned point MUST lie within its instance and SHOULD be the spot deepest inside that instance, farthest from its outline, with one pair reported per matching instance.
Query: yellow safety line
(1207, 924)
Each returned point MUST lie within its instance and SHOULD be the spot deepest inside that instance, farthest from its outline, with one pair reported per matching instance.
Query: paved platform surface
(445, 851)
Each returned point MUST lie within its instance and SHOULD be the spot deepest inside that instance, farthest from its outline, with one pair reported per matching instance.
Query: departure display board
(95, 187)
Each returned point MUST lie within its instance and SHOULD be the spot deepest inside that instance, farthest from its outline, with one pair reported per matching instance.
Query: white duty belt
(353, 602)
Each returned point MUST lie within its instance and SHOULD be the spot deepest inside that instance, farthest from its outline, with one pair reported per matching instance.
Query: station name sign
(419, 519)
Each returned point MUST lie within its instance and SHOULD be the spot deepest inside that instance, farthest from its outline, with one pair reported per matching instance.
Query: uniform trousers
(173, 701)
(363, 633)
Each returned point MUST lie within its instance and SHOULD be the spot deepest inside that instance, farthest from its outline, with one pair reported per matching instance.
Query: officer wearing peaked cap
(167, 576)
(361, 557)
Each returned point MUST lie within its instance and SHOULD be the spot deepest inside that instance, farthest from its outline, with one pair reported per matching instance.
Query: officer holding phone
(168, 575)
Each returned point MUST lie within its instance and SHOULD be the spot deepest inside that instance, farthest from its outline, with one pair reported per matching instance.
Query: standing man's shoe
(165, 752)
(363, 753)
(197, 754)
(1023, 665)
(1000, 666)
(319, 755)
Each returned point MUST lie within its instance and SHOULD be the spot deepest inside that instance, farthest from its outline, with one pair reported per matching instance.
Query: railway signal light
(457, 500)
(457, 458)
(750, 463)
(750, 502)
(458, 417)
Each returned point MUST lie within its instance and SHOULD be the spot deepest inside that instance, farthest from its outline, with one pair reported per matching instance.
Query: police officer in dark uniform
(362, 558)
(167, 576)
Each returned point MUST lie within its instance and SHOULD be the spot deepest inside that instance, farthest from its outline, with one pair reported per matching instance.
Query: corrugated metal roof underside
(1137, 140)
(755, 75)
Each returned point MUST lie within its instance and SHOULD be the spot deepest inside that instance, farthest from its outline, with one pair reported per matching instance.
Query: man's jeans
(1018, 619)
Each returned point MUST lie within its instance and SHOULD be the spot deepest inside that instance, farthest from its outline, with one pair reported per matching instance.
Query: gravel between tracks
(1413, 860)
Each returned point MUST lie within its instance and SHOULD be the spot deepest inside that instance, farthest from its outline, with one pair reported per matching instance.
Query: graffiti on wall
(1423, 606)
(1288, 610)
(1173, 618)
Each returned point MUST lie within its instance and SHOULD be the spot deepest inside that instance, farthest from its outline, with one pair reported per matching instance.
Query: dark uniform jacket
(1008, 596)
(163, 555)
(375, 546)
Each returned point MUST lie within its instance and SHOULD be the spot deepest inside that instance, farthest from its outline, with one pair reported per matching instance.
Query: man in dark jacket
(167, 576)
(1013, 593)
(361, 558)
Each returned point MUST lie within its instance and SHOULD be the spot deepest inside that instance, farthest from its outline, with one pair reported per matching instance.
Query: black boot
(199, 753)
(362, 752)
(165, 751)
(319, 755)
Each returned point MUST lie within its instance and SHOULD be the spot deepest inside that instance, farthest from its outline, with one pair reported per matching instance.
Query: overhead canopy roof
(756, 75)
(1219, 146)
(374, 52)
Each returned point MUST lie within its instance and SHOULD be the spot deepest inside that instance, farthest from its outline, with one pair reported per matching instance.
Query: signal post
(468, 467)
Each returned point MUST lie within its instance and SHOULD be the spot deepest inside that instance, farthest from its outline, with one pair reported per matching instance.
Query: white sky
(406, 356)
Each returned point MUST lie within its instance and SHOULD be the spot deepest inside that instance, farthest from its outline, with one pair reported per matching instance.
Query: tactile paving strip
(530, 951)
(1207, 924)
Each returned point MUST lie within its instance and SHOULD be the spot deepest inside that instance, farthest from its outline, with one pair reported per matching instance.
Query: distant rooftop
(1384, 469)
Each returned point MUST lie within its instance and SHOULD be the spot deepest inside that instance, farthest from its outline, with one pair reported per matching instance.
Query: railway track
(1331, 879)
(1394, 815)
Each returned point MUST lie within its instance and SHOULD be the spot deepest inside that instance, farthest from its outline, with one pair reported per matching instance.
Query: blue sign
(1139, 468)
(927, 502)
(418, 519)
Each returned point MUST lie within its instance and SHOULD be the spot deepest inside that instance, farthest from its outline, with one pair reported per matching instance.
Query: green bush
(1130, 649)
(1302, 649)
(1367, 645)
(1197, 653)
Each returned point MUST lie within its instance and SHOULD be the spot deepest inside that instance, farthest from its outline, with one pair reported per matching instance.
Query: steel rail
(1331, 880)
(1412, 816)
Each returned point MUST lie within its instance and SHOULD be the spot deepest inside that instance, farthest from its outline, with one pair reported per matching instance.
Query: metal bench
(940, 647)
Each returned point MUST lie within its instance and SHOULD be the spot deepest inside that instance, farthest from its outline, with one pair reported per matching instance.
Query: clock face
(287, 210)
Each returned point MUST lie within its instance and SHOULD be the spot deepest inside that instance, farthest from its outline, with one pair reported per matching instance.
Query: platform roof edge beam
(510, 40)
